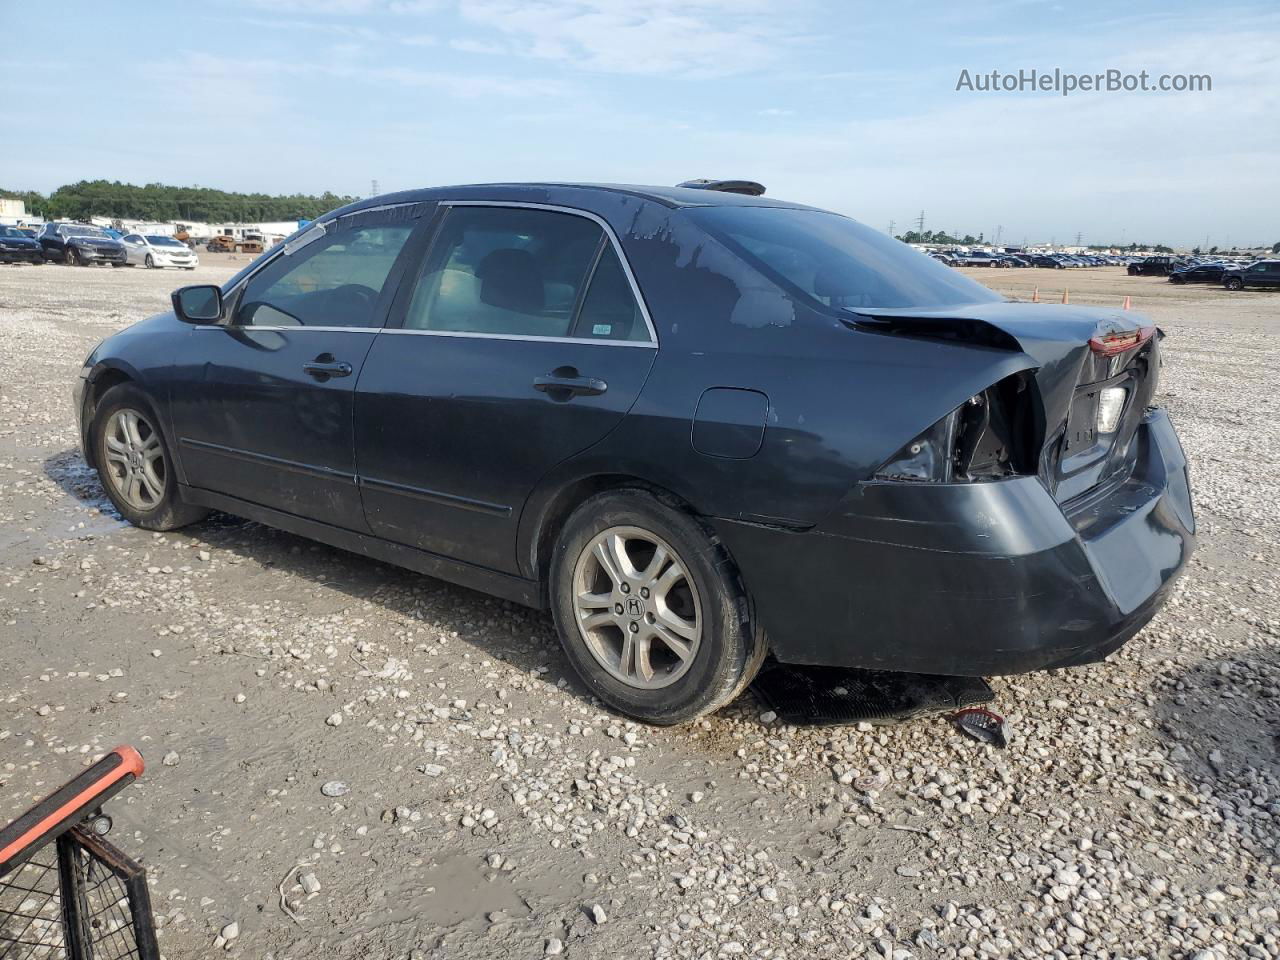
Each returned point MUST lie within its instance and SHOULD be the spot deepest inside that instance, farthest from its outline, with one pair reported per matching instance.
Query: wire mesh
(81, 899)
(31, 909)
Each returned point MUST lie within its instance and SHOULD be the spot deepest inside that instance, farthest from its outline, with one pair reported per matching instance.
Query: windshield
(9, 232)
(836, 261)
(164, 242)
(80, 230)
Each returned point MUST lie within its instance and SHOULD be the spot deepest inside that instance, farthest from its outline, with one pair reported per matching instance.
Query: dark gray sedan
(700, 427)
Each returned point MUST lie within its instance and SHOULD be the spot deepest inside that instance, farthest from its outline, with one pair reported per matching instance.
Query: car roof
(571, 193)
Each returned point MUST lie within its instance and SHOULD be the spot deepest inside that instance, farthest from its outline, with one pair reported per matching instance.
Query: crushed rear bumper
(975, 579)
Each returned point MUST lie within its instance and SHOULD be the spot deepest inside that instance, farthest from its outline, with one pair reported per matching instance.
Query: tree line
(160, 202)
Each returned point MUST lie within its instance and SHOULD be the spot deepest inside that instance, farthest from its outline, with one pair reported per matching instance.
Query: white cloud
(699, 37)
(479, 46)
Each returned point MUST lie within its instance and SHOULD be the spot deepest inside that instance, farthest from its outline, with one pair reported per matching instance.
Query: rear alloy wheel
(1234, 283)
(134, 462)
(650, 609)
(637, 608)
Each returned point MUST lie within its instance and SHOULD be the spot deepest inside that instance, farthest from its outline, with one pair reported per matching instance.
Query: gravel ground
(413, 765)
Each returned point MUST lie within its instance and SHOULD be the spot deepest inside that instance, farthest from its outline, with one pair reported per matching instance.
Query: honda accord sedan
(700, 427)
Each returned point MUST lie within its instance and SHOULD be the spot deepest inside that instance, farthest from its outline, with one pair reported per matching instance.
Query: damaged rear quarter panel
(841, 400)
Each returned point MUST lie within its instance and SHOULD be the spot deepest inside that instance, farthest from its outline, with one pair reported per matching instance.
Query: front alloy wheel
(134, 460)
(637, 608)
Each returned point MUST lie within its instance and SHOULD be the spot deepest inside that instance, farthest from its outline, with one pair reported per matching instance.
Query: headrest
(509, 278)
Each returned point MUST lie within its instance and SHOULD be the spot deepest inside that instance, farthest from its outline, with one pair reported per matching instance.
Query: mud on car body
(701, 427)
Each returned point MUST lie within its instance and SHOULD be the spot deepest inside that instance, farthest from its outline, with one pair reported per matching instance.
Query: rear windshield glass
(837, 261)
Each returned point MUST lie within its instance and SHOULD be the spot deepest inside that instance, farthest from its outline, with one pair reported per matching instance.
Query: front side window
(836, 261)
(509, 271)
(330, 282)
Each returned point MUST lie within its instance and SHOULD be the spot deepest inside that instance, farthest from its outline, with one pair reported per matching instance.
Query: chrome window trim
(279, 329)
(643, 344)
(650, 344)
(617, 249)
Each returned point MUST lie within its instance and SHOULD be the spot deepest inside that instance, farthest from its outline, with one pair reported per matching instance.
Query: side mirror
(198, 304)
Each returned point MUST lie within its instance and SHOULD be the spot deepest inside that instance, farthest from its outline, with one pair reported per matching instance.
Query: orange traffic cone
(1126, 304)
(1066, 298)
(1035, 295)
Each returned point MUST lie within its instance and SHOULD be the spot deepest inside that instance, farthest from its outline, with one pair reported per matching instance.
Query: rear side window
(610, 311)
(512, 271)
(330, 282)
(835, 261)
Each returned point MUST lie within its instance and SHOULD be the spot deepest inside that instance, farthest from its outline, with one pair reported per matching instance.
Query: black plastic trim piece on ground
(805, 695)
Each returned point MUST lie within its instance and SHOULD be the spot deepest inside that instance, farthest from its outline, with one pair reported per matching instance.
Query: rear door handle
(570, 386)
(324, 366)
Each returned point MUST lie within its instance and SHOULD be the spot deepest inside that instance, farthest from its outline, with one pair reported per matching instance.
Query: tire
(149, 263)
(696, 587)
(69, 257)
(155, 503)
(1233, 283)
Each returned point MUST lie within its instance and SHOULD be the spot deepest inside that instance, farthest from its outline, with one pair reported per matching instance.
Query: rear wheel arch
(552, 515)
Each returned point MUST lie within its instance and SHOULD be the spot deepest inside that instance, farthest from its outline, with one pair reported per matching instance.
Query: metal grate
(80, 900)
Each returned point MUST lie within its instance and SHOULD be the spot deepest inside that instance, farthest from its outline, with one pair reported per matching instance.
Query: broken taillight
(1110, 344)
(988, 437)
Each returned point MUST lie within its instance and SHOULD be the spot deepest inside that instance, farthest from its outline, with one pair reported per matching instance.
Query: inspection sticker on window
(601, 329)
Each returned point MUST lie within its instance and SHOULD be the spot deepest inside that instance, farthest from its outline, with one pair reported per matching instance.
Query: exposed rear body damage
(1054, 567)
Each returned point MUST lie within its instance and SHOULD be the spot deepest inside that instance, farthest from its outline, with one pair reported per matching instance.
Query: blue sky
(847, 105)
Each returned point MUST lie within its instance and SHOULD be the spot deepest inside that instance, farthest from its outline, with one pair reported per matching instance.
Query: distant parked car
(17, 247)
(1202, 273)
(1264, 273)
(1153, 267)
(159, 251)
(980, 258)
(1044, 260)
(79, 243)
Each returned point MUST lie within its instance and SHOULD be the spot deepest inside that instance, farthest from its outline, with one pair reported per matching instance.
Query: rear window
(835, 261)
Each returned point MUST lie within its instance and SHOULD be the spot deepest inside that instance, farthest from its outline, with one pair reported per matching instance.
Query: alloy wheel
(134, 456)
(637, 608)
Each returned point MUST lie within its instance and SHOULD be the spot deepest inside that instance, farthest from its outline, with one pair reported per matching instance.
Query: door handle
(563, 387)
(324, 366)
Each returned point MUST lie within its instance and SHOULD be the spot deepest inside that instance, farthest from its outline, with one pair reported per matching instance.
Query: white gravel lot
(423, 757)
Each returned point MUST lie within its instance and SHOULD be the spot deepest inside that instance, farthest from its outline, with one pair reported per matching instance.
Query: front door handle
(564, 384)
(324, 366)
